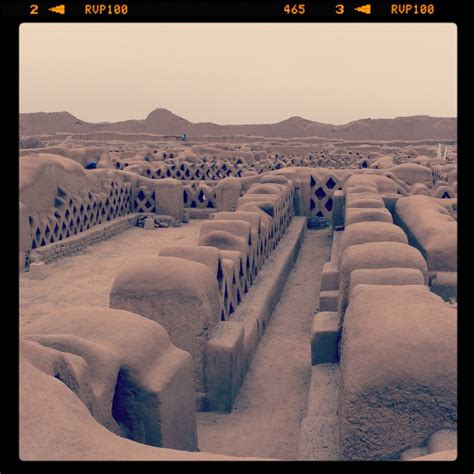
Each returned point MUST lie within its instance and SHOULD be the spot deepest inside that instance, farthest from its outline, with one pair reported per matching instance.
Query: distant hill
(164, 122)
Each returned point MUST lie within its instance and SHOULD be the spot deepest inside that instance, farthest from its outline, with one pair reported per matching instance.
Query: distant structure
(442, 155)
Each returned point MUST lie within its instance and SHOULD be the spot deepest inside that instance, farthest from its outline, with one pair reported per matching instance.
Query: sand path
(265, 421)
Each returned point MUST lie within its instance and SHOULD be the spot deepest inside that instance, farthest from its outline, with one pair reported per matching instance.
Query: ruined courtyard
(237, 297)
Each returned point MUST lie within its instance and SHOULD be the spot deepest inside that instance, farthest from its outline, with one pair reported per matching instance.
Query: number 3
(339, 9)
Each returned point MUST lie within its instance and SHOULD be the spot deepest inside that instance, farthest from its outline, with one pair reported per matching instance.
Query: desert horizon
(163, 121)
(290, 115)
(239, 73)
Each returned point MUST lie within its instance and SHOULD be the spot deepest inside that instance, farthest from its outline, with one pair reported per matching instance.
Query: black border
(258, 11)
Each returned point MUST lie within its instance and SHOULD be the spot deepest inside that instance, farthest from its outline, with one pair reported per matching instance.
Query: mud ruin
(354, 245)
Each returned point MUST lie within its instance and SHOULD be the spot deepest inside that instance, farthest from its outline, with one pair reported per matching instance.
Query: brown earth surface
(164, 122)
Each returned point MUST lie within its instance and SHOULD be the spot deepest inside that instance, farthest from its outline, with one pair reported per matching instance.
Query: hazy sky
(239, 72)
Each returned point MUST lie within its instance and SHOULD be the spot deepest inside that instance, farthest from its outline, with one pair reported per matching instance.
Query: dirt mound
(164, 122)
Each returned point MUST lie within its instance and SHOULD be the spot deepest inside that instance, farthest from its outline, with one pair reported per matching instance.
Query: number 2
(33, 9)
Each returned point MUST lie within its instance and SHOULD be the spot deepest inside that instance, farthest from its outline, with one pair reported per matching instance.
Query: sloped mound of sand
(162, 121)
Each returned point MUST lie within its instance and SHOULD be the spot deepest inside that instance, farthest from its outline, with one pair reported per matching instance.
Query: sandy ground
(265, 421)
(86, 278)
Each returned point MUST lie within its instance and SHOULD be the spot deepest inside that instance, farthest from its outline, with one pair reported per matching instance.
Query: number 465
(294, 9)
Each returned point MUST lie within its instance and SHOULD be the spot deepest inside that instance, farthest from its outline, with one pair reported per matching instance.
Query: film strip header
(364, 10)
